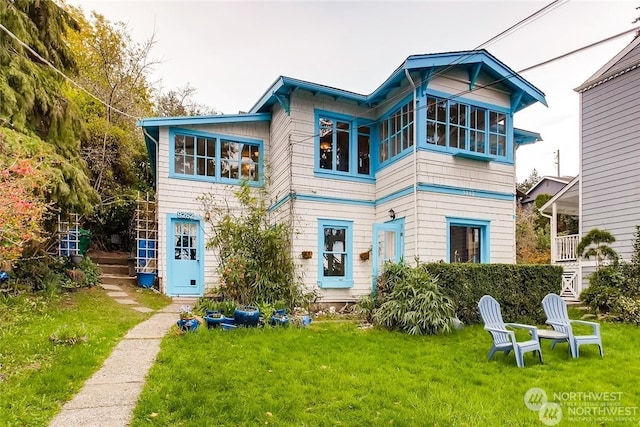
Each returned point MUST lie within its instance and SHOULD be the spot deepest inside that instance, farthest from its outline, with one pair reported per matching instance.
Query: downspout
(415, 163)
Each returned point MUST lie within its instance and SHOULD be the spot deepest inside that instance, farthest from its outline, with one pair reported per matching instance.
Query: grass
(336, 374)
(49, 347)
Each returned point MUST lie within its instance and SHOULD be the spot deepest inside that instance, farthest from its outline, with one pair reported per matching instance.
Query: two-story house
(606, 194)
(423, 167)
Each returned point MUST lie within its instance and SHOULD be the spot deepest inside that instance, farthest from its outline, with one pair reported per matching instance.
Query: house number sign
(185, 215)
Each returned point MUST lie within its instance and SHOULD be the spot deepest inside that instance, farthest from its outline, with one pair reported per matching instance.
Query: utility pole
(557, 163)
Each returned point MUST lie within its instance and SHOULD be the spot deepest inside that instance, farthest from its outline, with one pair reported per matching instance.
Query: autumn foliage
(22, 207)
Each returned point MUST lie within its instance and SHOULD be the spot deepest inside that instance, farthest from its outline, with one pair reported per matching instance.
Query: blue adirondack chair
(504, 339)
(556, 310)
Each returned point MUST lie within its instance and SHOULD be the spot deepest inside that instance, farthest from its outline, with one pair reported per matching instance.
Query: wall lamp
(392, 214)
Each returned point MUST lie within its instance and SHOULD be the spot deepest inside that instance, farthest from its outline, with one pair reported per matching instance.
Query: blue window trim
(405, 152)
(354, 123)
(484, 226)
(422, 124)
(335, 282)
(189, 132)
(396, 225)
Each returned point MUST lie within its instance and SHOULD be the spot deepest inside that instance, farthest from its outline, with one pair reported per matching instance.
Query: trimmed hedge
(518, 288)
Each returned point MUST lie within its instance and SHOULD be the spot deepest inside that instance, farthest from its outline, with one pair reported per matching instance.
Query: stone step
(116, 279)
(115, 269)
(110, 258)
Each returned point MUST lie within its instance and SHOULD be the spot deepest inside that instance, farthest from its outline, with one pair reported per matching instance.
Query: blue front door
(184, 264)
(387, 246)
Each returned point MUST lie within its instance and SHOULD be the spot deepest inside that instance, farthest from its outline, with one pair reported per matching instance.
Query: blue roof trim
(203, 120)
(151, 135)
(522, 137)
(488, 63)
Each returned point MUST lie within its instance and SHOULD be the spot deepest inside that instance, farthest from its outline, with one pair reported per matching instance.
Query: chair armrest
(510, 334)
(595, 326)
(532, 329)
(551, 322)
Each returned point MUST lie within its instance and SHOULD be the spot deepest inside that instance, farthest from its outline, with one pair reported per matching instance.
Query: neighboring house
(547, 185)
(606, 195)
(423, 167)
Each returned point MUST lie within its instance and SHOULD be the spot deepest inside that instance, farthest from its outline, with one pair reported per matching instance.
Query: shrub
(605, 288)
(416, 305)
(519, 288)
(256, 265)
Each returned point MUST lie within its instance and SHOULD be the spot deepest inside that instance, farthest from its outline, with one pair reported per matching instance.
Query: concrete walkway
(110, 395)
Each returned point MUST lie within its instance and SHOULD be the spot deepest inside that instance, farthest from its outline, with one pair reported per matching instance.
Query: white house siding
(457, 82)
(179, 195)
(610, 158)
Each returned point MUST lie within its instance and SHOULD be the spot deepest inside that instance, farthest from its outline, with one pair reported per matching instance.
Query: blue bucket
(145, 280)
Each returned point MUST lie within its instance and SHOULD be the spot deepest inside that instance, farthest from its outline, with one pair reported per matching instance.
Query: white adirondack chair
(557, 316)
(504, 339)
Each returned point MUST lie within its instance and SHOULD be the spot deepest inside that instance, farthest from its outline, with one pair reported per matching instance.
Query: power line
(564, 55)
(495, 82)
(69, 79)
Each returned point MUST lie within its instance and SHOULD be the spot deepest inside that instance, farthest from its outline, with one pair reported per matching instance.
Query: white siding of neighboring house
(611, 158)
(179, 195)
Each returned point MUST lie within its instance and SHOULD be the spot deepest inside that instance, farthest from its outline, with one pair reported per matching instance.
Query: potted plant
(188, 321)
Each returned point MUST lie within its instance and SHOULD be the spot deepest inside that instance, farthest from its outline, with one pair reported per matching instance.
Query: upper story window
(396, 132)
(344, 146)
(466, 127)
(216, 158)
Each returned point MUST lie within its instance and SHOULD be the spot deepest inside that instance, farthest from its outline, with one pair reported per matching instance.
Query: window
(336, 254)
(497, 133)
(216, 158)
(468, 240)
(396, 132)
(475, 130)
(344, 146)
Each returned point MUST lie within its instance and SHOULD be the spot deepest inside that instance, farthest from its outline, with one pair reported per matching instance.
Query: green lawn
(336, 374)
(38, 376)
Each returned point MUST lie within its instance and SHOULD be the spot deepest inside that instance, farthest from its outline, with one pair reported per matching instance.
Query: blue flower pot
(145, 280)
(188, 325)
(214, 318)
(247, 315)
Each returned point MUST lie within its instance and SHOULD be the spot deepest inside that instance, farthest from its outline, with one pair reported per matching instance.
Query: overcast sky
(231, 52)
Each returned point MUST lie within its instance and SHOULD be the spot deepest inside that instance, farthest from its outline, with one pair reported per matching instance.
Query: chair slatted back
(492, 318)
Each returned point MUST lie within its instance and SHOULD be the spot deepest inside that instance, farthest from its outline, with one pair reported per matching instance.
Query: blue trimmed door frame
(185, 257)
(388, 244)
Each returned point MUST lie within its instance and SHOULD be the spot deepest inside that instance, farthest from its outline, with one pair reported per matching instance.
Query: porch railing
(566, 248)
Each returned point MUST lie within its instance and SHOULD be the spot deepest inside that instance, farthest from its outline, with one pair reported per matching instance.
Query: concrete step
(115, 269)
(116, 279)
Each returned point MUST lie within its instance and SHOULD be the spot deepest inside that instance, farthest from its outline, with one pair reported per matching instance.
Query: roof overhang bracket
(474, 72)
(426, 77)
(516, 98)
(283, 100)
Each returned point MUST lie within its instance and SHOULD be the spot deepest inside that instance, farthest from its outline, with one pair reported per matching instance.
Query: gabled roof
(564, 180)
(475, 61)
(609, 70)
(567, 199)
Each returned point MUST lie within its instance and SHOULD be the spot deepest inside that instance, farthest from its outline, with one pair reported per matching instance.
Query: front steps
(115, 268)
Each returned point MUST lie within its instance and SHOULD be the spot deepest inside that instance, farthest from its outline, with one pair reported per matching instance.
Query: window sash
(465, 127)
(215, 157)
(396, 132)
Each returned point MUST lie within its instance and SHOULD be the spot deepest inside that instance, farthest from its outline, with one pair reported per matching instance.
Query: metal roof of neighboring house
(475, 60)
(609, 71)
